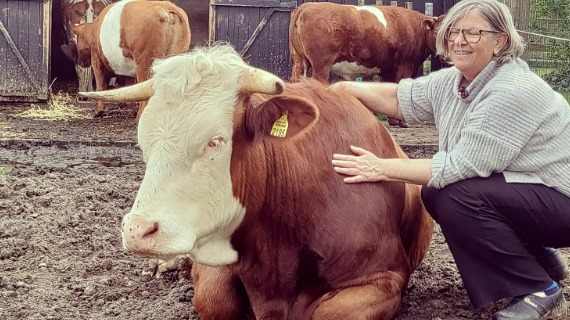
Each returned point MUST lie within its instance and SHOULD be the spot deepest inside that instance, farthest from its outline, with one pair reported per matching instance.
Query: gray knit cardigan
(511, 121)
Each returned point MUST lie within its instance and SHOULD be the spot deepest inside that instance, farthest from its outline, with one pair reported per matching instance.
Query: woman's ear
(501, 42)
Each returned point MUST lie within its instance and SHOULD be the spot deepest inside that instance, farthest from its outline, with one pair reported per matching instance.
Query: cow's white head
(185, 204)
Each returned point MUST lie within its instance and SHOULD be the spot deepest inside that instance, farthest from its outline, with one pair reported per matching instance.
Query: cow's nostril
(151, 231)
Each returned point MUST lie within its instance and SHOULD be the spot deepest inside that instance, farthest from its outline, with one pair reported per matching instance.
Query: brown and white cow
(354, 41)
(79, 12)
(239, 176)
(127, 36)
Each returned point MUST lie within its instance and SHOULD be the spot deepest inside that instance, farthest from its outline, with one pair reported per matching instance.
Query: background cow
(239, 176)
(353, 41)
(127, 36)
(79, 12)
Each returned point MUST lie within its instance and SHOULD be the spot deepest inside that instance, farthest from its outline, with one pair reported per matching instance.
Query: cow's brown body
(310, 244)
(351, 43)
(149, 30)
(273, 230)
(78, 12)
(322, 34)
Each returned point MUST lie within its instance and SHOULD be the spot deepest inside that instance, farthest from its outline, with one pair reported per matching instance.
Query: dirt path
(64, 187)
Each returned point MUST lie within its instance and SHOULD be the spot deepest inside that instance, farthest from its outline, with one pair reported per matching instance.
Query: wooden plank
(256, 3)
(283, 68)
(9, 28)
(24, 50)
(274, 34)
(222, 23)
(3, 50)
(263, 39)
(257, 30)
(46, 54)
(213, 22)
(253, 19)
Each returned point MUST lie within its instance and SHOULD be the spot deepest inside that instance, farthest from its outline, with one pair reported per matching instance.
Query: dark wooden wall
(199, 16)
(262, 34)
(24, 49)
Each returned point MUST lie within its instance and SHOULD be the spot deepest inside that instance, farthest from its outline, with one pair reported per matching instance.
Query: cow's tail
(299, 62)
(178, 28)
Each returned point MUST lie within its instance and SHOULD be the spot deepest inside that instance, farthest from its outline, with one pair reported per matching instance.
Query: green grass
(567, 96)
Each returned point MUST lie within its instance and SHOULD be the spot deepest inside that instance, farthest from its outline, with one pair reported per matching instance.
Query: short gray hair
(499, 18)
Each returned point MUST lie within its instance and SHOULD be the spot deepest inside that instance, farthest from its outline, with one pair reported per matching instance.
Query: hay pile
(60, 107)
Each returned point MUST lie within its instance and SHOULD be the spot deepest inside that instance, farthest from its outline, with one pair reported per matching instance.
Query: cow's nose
(140, 235)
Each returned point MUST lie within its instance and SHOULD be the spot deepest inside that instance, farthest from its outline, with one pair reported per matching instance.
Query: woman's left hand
(364, 166)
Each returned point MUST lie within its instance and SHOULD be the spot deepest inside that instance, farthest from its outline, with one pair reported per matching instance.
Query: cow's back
(145, 30)
(362, 40)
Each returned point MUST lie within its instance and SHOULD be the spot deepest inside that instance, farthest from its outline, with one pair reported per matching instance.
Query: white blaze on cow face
(185, 204)
(376, 12)
(110, 39)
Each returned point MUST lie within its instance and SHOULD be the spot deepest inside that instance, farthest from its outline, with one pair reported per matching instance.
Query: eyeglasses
(470, 35)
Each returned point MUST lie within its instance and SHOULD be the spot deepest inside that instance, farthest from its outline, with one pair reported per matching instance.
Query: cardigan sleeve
(413, 100)
(494, 134)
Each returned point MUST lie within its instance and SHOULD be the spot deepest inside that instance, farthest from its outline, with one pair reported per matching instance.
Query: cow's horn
(138, 92)
(258, 81)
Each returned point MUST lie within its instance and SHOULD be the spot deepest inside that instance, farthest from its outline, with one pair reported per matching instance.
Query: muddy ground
(64, 187)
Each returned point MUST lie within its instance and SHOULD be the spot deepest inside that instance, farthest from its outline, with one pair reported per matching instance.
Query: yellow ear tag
(279, 128)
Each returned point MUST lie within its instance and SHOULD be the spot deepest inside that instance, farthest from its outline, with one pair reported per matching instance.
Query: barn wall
(24, 49)
(63, 69)
(198, 14)
(236, 21)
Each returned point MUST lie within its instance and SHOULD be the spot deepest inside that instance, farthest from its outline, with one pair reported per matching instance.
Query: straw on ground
(59, 107)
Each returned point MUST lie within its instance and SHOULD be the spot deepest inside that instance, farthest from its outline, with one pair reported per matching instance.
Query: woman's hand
(364, 166)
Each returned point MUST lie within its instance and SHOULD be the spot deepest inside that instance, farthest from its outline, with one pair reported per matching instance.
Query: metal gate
(25, 28)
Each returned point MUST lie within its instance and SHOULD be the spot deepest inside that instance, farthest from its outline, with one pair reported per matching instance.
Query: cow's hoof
(403, 124)
(98, 114)
(180, 265)
(393, 122)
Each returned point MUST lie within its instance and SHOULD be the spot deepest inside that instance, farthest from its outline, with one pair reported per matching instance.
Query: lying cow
(126, 38)
(239, 176)
(79, 12)
(353, 41)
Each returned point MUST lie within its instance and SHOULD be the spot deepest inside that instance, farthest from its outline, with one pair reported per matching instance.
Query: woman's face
(472, 43)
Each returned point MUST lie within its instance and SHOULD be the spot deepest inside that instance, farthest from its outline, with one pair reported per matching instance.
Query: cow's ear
(278, 117)
(429, 23)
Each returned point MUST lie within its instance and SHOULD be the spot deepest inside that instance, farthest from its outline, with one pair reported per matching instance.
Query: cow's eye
(216, 142)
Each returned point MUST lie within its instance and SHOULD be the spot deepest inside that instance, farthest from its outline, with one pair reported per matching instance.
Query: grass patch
(59, 107)
(5, 170)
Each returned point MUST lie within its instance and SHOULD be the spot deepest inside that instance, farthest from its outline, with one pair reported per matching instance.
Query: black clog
(531, 307)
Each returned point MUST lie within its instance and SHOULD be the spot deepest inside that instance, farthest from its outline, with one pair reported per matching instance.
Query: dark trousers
(489, 225)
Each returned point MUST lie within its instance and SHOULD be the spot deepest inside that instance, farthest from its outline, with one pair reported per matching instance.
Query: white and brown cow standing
(353, 41)
(79, 12)
(239, 176)
(127, 36)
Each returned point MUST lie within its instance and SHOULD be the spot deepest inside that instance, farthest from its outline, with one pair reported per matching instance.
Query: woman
(499, 186)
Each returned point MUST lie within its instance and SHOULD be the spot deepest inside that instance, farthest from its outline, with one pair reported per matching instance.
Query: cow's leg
(322, 69)
(101, 81)
(377, 300)
(298, 67)
(218, 294)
